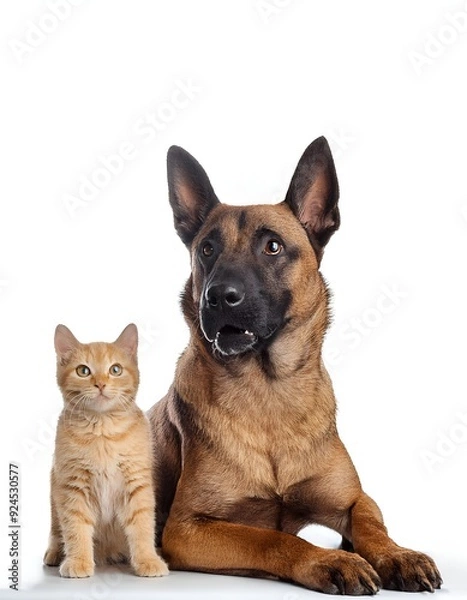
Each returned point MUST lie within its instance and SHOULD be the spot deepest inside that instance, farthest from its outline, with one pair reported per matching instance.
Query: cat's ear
(65, 342)
(191, 194)
(128, 339)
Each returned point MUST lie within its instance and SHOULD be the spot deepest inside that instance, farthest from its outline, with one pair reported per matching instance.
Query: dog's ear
(313, 194)
(190, 193)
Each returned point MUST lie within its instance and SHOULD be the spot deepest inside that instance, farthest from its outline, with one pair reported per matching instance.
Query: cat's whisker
(73, 407)
(120, 401)
(125, 400)
(84, 411)
(78, 403)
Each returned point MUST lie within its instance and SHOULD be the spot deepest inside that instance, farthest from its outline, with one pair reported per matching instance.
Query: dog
(246, 445)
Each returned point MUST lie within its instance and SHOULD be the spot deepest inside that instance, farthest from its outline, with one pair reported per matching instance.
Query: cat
(102, 495)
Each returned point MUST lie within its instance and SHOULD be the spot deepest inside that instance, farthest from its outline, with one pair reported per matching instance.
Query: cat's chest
(106, 453)
(108, 484)
(109, 491)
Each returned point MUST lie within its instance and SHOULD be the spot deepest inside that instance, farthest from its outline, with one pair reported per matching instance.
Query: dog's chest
(269, 453)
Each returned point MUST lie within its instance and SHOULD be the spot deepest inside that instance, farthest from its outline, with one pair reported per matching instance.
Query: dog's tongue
(230, 340)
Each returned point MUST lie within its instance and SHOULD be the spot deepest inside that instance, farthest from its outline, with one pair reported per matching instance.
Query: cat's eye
(116, 370)
(83, 371)
(208, 249)
(273, 248)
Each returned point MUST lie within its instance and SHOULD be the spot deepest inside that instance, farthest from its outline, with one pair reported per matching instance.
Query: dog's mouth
(231, 340)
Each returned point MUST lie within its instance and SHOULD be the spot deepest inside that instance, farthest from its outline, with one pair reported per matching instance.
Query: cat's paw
(53, 557)
(76, 567)
(152, 566)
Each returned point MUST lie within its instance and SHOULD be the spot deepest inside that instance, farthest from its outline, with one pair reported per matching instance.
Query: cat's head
(99, 376)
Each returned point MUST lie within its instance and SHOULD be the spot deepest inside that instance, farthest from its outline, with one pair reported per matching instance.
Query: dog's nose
(226, 295)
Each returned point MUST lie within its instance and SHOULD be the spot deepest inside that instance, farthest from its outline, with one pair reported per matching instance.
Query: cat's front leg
(138, 521)
(77, 521)
(54, 553)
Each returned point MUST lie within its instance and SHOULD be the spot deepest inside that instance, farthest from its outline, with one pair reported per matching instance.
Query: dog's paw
(408, 571)
(152, 566)
(339, 572)
(76, 567)
(53, 557)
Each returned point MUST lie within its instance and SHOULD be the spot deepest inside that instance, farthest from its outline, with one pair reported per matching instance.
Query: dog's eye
(208, 250)
(273, 248)
(83, 371)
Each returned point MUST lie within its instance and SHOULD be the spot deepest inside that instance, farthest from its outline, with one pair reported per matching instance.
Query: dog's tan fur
(247, 451)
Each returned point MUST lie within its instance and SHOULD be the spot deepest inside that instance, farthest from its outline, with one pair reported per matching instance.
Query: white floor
(118, 582)
(44, 583)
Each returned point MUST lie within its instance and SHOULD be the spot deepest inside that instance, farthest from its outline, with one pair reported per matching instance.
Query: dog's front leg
(216, 546)
(398, 568)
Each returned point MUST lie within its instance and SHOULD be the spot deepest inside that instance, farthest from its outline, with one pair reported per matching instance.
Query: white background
(266, 78)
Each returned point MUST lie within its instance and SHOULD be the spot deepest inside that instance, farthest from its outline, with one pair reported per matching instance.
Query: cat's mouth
(102, 402)
(102, 396)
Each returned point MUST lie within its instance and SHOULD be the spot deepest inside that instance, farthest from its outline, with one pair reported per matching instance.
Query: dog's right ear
(191, 194)
(313, 194)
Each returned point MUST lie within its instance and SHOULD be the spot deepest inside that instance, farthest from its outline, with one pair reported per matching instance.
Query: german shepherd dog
(246, 445)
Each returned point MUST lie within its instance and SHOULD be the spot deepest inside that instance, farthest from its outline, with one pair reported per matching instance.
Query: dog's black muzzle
(233, 312)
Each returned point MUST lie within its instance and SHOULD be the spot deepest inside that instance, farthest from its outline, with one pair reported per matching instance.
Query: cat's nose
(101, 386)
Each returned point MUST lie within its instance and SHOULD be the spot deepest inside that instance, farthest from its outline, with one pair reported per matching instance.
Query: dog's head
(254, 268)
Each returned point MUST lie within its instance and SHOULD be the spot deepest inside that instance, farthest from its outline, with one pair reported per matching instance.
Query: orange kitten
(102, 495)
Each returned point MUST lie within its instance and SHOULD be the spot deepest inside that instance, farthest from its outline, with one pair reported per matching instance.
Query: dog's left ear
(313, 194)
(191, 194)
